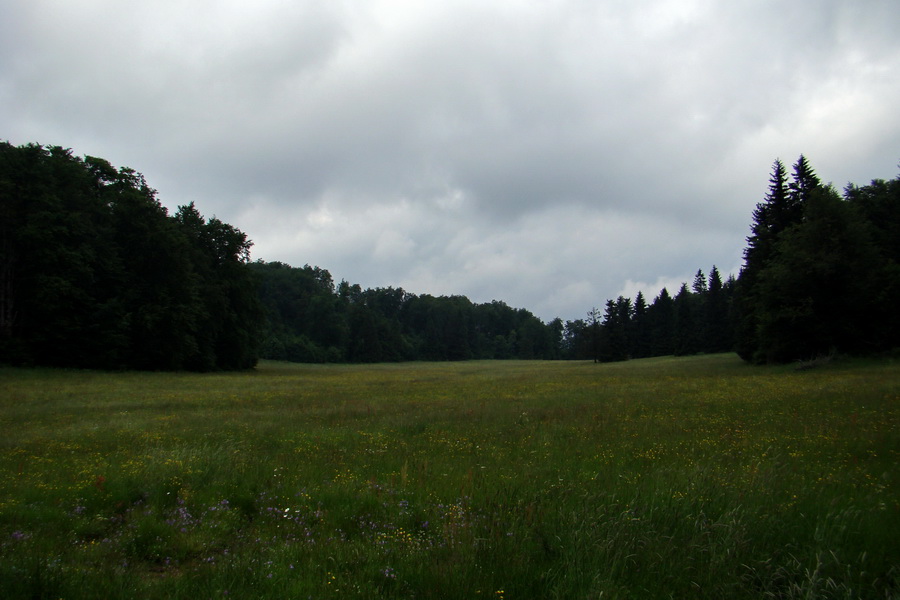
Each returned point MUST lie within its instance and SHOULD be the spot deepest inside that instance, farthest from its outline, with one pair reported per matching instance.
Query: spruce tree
(640, 330)
(718, 335)
(814, 295)
(700, 285)
(781, 210)
(805, 182)
(661, 316)
(687, 322)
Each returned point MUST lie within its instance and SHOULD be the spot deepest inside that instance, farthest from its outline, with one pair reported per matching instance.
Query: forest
(94, 273)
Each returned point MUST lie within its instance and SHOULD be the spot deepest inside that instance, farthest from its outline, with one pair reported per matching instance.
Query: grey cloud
(540, 153)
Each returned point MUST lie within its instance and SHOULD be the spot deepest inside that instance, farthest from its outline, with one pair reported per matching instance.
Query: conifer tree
(661, 316)
(781, 210)
(616, 329)
(812, 296)
(700, 285)
(804, 183)
(686, 322)
(718, 337)
(640, 332)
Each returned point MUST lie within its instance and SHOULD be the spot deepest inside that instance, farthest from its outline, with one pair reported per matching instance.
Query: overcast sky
(552, 154)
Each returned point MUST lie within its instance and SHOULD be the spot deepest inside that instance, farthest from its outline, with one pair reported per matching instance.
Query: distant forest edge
(95, 273)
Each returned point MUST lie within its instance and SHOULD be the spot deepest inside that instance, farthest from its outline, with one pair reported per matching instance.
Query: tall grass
(692, 477)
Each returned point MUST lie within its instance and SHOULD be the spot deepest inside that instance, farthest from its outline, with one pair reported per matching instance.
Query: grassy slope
(666, 477)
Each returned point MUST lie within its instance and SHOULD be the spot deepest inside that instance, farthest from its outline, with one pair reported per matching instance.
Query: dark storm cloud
(551, 154)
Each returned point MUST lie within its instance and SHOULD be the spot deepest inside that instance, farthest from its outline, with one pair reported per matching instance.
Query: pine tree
(718, 334)
(616, 328)
(687, 322)
(640, 330)
(661, 316)
(813, 296)
(805, 182)
(699, 286)
(782, 209)
(775, 214)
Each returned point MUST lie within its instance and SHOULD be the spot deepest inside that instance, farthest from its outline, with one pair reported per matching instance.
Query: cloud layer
(551, 154)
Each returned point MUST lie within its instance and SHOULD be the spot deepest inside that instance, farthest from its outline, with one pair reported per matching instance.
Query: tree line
(310, 319)
(821, 270)
(821, 276)
(695, 320)
(95, 273)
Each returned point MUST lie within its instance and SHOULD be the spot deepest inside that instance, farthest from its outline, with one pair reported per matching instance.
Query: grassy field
(693, 477)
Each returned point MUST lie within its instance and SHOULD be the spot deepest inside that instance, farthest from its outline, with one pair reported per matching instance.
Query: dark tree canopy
(695, 320)
(94, 273)
(820, 271)
(309, 320)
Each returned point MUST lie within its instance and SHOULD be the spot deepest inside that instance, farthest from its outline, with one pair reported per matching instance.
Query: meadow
(696, 477)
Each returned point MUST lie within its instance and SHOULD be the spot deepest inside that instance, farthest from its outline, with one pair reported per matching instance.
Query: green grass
(692, 477)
